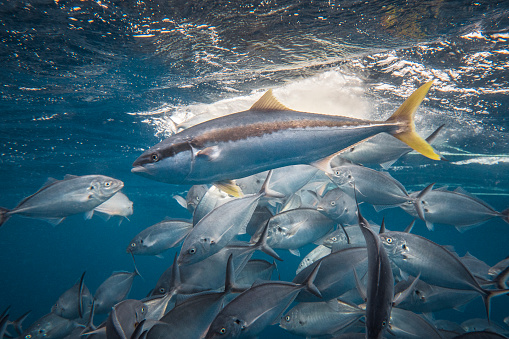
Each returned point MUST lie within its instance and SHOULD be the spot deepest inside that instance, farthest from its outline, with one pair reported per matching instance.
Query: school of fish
(271, 179)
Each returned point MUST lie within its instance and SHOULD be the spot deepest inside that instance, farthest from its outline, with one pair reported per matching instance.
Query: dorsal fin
(268, 103)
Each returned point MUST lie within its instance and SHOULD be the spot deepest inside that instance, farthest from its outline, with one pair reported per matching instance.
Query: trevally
(159, 237)
(216, 229)
(268, 136)
(458, 208)
(315, 319)
(118, 205)
(58, 199)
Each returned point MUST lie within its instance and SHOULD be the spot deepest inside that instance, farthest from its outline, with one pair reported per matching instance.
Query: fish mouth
(138, 169)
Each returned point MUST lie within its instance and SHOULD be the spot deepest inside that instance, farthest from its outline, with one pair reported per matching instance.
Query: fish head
(393, 244)
(166, 163)
(336, 238)
(292, 320)
(195, 251)
(376, 326)
(226, 326)
(103, 187)
(341, 176)
(135, 246)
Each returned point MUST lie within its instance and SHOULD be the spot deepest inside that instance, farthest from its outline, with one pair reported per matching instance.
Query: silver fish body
(59, 199)
(317, 253)
(256, 308)
(338, 205)
(380, 286)
(408, 325)
(426, 298)
(457, 208)
(124, 317)
(113, 290)
(75, 302)
(159, 237)
(373, 187)
(320, 318)
(217, 229)
(296, 228)
(335, 276)
(118, 205)
(49, 326)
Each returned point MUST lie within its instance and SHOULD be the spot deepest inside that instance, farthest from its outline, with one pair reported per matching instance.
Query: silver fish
(58, 199)
(320, 318)
(118, 205)
(457, 208)
(193, 197)
(319, 252)
(294, 229)
(435, 264)
(408, 325)
(338, 206)
(336, 275)
(123, 319)
(113, 290)
(256, 308)
(380, 286)
(74, 302)
(268, 136)
(381, 150)
(373, 187)
(202, 309)
(49, 326)
(159, 237)
(426, 298)
(220, 226)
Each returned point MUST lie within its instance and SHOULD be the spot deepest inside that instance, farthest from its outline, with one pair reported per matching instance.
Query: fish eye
(154, 157)
(222, 330)
(143, 310)
(192, 251)
(404, 246)
(333, 203)
(28, 336)
(91, 187)
(336, 172)
(389, 240)
(384, 323)
(334, 239)
(287, 318)
(162, 290)
(107, 184)
(133, 244)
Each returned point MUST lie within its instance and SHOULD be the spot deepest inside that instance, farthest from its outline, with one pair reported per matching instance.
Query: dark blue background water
(87, 86)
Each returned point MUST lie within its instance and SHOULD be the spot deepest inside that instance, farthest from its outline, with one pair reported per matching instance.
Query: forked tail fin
(405, 117)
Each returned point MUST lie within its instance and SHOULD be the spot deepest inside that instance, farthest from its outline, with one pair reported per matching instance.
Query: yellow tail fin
(405, 116)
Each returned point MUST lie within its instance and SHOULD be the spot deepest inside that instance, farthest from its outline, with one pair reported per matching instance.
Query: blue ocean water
(87, 86)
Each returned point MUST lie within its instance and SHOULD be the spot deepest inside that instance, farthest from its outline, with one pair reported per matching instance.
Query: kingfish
(408, 325)
(58, 199)
(338, 205)
(267, 136)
